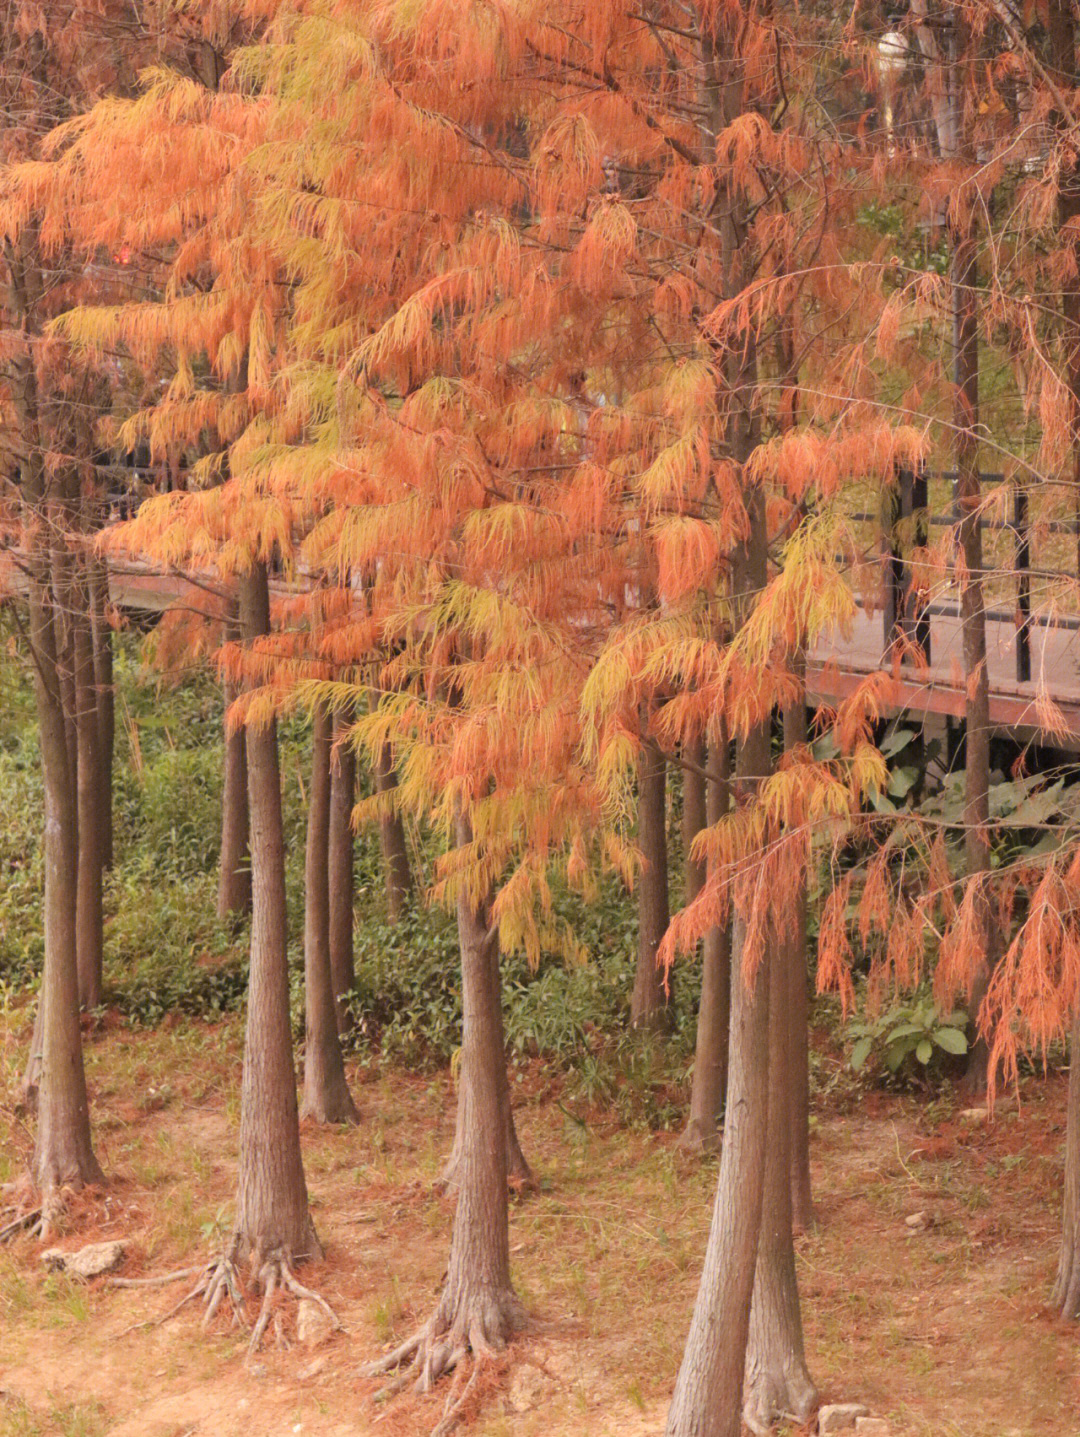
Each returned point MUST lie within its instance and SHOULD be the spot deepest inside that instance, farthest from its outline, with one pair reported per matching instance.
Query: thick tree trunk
(1066, 1294)
(64, 601)
(797, 1005)
(272, 1205)
(340, 870)
(234, 869)
(649, 1005)
(395, 852)
(63, 1154)
(326, 1093)
(106, 699)
(477, 1307)
(778, 1384)
(707, 1401)
(89, 934)
(714, 1013)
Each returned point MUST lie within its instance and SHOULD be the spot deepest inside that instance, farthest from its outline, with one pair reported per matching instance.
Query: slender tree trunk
(326, 1093)
(1062, 36)
(395, 852)
(942, 46)
(1066, 1294)
(694, 815)
(63, 1154)
(272, 1203)
(778, 1384)
(234, 869)
(106, 699)
(477, 1307)
(63, 601)
(797, 1006)
(89, 935)
(714, 1014)
(649, 1006)
(973, 626)
(340, 869)
(708, 1391)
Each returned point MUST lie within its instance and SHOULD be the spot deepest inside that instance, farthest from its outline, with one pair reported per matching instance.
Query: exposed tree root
(774, 1397)
(442, 1346)
(31, 1222)
(219, 1283)
(37, 1221)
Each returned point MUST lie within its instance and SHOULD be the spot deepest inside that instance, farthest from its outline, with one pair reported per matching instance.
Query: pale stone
(90, 1261)
(313, 1369)
(871, 1427)
(840, 1417)
(919, 1221)
(974, 1115)
(527, 1385)
(313, 1323)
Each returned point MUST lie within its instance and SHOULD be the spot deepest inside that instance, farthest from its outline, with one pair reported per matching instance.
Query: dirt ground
(940, 1326)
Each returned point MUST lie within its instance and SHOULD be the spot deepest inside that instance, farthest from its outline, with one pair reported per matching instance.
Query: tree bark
(340, 870)
(395, 852)
(477, 1307)
(1066, 1294)
(519, 1175)
(326, 1093)
(89, 934)
(63, 1152)
(943, 46)
(694, 816)
(714, 1013)
(778, 1384)
(707, 1401)
(797, 1006)
(106, 699)
(649, 1002)
(272, 1204)
(234, 868)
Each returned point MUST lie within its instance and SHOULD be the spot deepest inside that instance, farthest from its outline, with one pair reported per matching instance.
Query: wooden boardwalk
(834, 667)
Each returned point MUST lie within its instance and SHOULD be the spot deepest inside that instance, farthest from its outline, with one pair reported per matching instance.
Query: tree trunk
(272, 1205)
(395, 852)
(941, 46)
(326, 1093)
(797, 1006)
(477, 1307)
(89, 936)
(694, 815)
(649, 1006)
(340, 870)
(519, 1175)
(63, 1154)
(714, 1013)
(64, 605)
(234, 870)
(106, 699)
(707, 1401)
(1066, 1294)
(777, 1382)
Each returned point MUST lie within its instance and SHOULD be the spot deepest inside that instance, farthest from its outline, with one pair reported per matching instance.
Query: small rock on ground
(527, 1385)
(313, 1369)
(840, 1417)
(313, 1325)
(974, 1115)
(90, 1261)
(871, 1427)
(919, 1221)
